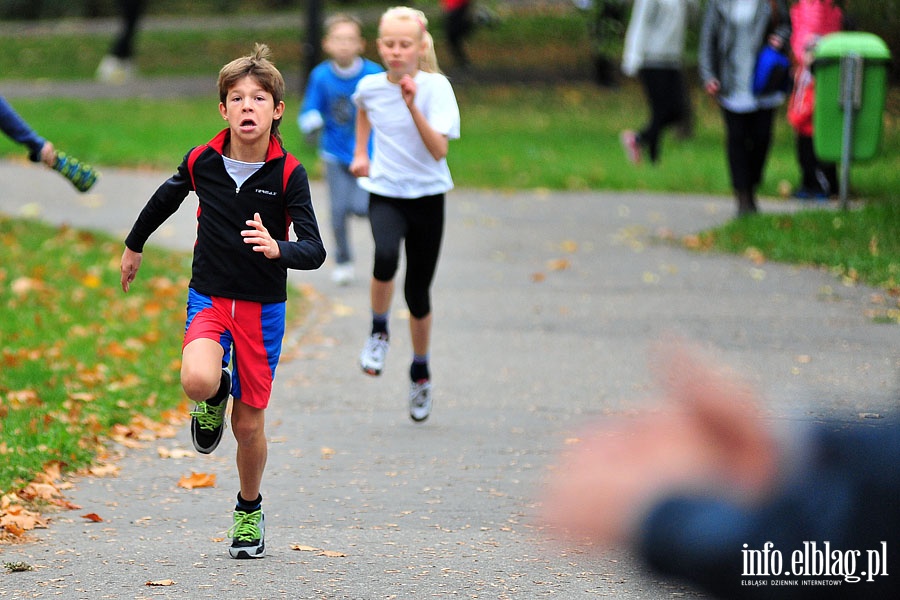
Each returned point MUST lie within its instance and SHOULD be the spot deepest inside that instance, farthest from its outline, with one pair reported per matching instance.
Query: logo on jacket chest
(265, 192)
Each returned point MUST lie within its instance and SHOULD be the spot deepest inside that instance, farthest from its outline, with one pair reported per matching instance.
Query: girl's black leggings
(419, 223)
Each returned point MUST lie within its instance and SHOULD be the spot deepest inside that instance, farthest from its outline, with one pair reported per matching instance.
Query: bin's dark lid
(868, 46)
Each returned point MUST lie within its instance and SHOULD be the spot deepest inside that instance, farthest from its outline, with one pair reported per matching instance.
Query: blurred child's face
(250, 111)
(344, 43)
(400, 44)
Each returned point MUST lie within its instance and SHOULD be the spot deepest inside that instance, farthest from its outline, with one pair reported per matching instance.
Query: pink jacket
(812, 17)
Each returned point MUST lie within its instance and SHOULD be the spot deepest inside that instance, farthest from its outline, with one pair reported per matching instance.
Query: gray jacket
(732, 34)
(655, 36)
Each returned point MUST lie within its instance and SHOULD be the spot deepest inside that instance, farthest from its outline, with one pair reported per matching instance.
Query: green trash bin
(864, 57)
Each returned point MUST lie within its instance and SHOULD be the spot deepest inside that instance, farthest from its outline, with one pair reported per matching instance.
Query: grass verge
(79, 357)
(862, 245)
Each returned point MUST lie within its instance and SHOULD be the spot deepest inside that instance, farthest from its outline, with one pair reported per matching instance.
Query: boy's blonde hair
(259, 67)
(428, 61)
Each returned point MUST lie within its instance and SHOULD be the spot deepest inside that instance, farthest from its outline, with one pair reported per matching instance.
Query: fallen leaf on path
(63, 503)
(160, 582)
(558, 264)
(104, 470)
(173, 452)
(342, 310)
(16, 520)
(39, 491)
(197, 480)
(570, 246)
(318, 551)
(755, 255)
(93, 517)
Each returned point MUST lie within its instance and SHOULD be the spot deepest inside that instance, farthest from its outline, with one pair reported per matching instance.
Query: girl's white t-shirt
(401, 165)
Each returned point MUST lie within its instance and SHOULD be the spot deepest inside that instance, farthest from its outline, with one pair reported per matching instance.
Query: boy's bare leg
(248, 425)
(201, 369)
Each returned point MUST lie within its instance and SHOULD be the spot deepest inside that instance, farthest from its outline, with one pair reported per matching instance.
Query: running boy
(251, 191)
(328, 108)
(413, 113)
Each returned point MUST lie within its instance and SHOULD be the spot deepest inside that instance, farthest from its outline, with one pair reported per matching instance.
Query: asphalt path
(545, 305)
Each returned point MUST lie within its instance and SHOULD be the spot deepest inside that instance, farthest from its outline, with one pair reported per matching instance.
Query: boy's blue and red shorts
(254, 330)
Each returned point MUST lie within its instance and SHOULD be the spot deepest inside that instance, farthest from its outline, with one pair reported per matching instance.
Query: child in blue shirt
(328, 110)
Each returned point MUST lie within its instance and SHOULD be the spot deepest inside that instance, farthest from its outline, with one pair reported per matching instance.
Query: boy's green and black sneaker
(249, 534)
(208, 417)
(82, 175)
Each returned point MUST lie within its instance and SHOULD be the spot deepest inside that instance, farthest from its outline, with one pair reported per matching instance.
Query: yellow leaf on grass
(197, 480)
(91, 280)
(24, 285)
(21, 398)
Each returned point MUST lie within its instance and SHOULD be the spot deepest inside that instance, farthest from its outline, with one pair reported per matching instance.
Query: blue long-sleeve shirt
(328, 105)
(19, 131)
(841, 503)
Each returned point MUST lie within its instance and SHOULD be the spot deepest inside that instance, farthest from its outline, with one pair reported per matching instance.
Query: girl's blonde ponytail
(428, 61)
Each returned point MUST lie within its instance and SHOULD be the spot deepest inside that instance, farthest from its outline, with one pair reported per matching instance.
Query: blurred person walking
(118, 64)
(733, 34)
(654, 52)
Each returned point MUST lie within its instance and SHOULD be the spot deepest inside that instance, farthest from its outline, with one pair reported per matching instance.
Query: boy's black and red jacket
(224, 265)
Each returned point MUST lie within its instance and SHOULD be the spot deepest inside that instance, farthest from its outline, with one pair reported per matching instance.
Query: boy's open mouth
(248, 123)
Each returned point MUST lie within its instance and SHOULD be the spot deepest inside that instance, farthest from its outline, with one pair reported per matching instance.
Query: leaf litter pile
(81, 363)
